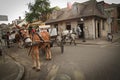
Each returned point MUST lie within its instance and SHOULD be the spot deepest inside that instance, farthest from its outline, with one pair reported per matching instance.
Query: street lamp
(82, 19)
(84, 40)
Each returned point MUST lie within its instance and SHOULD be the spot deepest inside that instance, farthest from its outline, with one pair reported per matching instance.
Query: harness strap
(25, 38)
(40, 37)
(30, 50)
(32, 39)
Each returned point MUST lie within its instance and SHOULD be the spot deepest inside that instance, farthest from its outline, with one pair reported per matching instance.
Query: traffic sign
(3, 18)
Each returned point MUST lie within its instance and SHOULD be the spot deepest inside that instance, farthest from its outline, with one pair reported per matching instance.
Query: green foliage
(40, 10)
(56, 8)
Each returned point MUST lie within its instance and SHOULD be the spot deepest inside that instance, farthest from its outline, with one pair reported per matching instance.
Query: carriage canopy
(52, 31)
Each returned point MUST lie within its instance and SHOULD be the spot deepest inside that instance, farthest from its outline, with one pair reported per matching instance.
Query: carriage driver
(31, 29)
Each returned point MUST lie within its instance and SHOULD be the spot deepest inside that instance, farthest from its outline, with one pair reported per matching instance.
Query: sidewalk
(116, 37)
(9, 69)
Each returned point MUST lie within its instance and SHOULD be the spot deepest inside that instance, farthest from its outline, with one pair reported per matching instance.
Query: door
(98, 29)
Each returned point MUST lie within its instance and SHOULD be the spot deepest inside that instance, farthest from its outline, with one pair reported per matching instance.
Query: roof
(37, 23)
(85, 9)
(22, 22)
(92, 9)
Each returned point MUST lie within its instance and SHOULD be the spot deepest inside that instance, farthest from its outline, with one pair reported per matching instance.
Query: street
(84, 38)
(80, 62)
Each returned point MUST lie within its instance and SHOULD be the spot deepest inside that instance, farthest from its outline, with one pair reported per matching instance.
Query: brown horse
(37, 41)
(12, 37)
(18, 40)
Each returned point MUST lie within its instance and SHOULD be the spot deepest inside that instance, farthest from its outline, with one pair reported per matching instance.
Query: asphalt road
(81, 62)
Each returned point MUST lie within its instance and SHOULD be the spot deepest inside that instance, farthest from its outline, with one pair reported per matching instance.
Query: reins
(31, 46)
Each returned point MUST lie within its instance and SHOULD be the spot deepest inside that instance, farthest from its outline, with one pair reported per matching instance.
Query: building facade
(91, 16)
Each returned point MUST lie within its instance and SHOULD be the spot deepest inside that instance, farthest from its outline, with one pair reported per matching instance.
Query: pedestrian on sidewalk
(109, 37)
(78, 30)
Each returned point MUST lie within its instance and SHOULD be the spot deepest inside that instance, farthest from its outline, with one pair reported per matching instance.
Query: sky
(15, 8)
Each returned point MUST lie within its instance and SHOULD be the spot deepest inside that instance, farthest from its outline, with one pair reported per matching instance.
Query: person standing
(7, 39)
(79, 31)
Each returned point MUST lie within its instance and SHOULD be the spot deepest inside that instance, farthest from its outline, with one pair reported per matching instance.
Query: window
(68, 26)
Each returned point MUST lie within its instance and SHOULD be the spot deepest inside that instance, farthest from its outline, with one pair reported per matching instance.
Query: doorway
(68, 27)
(98, 29)
(81, 27)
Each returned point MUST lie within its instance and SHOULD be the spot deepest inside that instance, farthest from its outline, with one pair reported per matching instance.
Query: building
(20, 22)
(3, 29)
(91, 16)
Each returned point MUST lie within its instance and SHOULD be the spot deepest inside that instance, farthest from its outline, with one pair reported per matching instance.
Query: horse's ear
(17, 26)
(26, 26)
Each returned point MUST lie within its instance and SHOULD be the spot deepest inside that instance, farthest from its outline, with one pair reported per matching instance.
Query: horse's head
(25, 36)
(27, 41)
(23, 32)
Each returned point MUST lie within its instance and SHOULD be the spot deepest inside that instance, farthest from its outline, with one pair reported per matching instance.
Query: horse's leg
(36, 52)
(74, 39)
(74, 42)
(34, 60)
(71, 41)
(48, 52)
(20, 44)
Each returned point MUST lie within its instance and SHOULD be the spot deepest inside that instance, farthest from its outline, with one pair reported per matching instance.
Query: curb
(21, 68)
(116, 40)
(21, 71)
(84, 43)
(88, 43)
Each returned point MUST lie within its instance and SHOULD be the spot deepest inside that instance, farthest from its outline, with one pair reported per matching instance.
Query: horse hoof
(38, 70)
(50, 58)
(47, 58)
(33, 67)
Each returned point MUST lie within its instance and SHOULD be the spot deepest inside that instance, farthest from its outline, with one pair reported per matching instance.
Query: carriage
(55, 39)
(31, 39)
(44, 37)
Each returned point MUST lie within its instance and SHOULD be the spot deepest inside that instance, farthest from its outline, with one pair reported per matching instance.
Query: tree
(40, 10)
(56, 8)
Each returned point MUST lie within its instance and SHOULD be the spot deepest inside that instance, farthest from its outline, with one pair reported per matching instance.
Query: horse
(35, 42)
(68, 35)
(10, 37)
(13, 37)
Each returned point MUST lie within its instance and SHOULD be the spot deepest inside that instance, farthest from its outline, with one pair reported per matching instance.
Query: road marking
(78, 75)
(63, 77)
(52, 74)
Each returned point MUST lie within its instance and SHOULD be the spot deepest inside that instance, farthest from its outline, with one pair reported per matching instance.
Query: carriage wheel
(62, 47)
